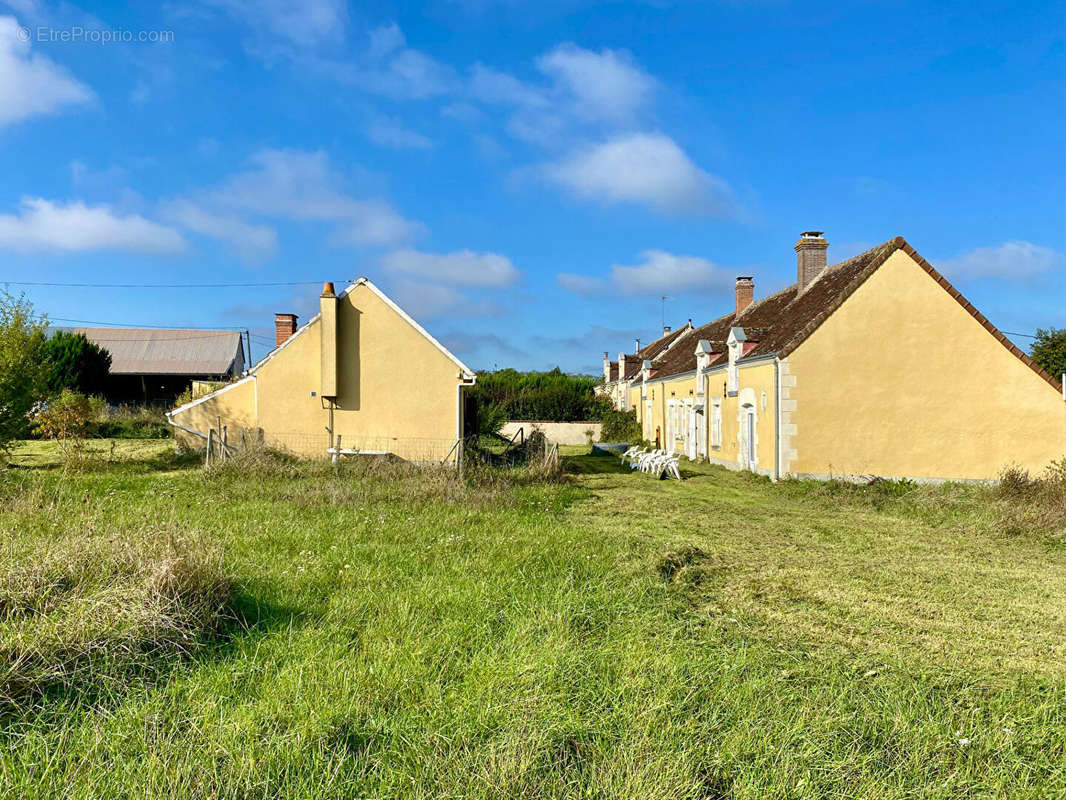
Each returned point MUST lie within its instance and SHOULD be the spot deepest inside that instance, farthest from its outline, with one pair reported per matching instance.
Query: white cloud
(313, 36)
(492, 86)
(426, 301)
(604, 85)
(303, 23)
(461, 268)
(304, 185)
(584, 87)
(32, 85)
(646, 168)
(43, 225)
(1017, 260)
(392, 133)
(252, 243)
(580, 284)
(664, 273)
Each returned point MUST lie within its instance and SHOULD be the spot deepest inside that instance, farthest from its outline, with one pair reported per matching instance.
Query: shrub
(134, 422)
(621, 426)
(67, 417)
(21, 372)
(554, 395)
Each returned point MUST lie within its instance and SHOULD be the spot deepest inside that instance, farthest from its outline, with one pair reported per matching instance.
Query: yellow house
(362, 374)
(876, 366)
(618, 376)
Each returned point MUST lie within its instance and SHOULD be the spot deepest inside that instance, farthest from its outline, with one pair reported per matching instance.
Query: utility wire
(1026, 335)
(161, 285)
(49, 318)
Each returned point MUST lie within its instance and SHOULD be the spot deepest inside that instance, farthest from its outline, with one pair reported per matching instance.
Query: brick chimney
(284, 327)
(606, 368)
(745, 293)
(621, 365)
(810, 257)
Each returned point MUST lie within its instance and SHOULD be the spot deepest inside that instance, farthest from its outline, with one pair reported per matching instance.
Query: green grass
(395, 634)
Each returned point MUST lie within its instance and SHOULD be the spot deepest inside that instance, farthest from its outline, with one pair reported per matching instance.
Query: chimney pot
(327, 289)
(745, 290)
(284, 327)
(810, 257)
(636, 343)
(666, 329)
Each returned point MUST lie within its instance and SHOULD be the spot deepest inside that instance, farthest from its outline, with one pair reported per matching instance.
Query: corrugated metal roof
(147, 351)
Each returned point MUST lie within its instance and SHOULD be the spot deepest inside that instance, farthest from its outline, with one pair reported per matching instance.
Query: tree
(73, 362)
(509, 394)
(21, 371)
(1049, 351)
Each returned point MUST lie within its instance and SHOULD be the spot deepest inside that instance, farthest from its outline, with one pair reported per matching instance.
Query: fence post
(210, 444)
(460, 456)
(225, 442)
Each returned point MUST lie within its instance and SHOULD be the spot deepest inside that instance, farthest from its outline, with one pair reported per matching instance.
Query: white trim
(209, 395)
(467, 372)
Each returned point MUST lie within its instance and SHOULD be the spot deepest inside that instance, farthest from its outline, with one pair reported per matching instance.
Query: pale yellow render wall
(683, 388)
(902, 381)
(235, 404)
(396, 391)
(756, 386)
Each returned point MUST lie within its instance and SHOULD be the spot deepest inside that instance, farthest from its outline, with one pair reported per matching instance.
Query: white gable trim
(467, 372)
(209, 395)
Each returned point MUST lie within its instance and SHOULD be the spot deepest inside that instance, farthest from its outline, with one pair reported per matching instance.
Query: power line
(1026, 335)
(49, 318)
(161, 285)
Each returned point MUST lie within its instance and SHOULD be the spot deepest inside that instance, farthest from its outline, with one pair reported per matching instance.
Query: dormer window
(703, 360)
(735, 343)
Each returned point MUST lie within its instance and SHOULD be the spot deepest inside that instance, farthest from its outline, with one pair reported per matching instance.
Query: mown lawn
(394, 634)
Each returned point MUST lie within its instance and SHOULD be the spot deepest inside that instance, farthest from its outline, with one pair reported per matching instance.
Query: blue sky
(526, 178)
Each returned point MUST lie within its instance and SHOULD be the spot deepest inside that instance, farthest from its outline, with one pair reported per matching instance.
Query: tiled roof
(778, 324)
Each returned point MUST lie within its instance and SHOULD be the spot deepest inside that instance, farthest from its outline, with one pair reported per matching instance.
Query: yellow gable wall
(396, 390)
(234, 403)
(902, 381)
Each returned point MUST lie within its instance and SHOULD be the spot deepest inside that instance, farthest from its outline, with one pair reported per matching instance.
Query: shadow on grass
(595, 463)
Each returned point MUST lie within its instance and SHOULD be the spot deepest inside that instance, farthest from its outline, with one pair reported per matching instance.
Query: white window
(716, 423)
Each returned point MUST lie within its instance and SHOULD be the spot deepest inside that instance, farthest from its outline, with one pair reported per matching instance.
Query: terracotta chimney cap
(327, 289)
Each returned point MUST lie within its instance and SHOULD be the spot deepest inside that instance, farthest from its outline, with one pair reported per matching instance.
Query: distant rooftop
(152, 351)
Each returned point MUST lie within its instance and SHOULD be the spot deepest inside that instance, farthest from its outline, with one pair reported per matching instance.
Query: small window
(716, 425)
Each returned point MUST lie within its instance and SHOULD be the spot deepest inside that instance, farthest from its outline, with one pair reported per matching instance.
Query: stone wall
(556, 432)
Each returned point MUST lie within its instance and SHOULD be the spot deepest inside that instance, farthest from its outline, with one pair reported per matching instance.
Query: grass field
(286, 631)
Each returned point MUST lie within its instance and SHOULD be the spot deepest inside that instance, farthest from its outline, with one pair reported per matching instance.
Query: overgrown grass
(405, 634)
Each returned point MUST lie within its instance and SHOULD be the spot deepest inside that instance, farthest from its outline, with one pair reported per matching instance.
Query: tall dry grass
(92, 610)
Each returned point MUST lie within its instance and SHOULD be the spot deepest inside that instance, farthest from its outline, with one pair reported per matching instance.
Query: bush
(554, 396)
(67, 417)
(621, 426)
(21, 372)
(134, 422)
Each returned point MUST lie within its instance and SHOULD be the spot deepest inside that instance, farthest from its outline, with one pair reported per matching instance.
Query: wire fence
(319, 446)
